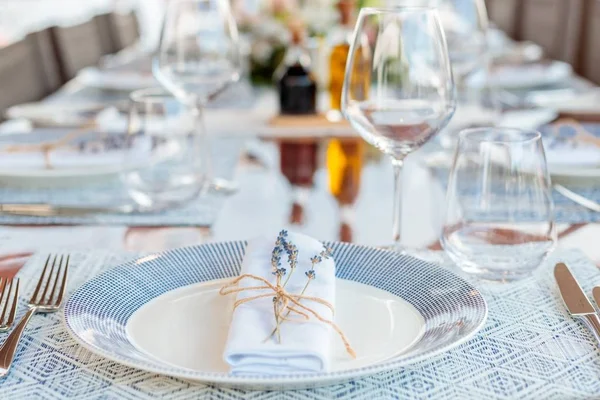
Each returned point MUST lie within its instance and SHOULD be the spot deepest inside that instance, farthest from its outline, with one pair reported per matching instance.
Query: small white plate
(161, 313)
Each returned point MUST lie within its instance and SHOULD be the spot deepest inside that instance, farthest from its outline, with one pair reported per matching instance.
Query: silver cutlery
(575, 299)
(9, 297)
(577, 198)
(54, 210)
(46, 298)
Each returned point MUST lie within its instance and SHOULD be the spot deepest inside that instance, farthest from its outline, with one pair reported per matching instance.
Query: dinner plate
(116, 80)
(91, 157)
(523, 76)
(162, 313)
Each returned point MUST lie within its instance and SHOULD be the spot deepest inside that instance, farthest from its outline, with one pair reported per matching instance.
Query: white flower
(261, 51)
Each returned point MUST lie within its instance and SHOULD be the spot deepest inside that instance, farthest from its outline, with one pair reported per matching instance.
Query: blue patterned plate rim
(85, 294)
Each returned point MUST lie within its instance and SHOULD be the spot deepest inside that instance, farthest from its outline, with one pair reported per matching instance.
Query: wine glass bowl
(199, 51)
(499, 222)
(398, 88)
(198, 57)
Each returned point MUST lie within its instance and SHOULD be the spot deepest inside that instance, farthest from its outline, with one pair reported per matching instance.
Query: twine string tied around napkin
(47, 147)
(284, 298)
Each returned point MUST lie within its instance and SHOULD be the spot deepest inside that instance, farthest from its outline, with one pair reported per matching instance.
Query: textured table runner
(530, 348)
(200, 212)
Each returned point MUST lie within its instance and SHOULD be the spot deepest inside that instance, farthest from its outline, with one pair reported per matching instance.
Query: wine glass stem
(203, 143)
(397, 213)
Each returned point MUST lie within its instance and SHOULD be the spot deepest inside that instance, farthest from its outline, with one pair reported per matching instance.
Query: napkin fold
(305, 345)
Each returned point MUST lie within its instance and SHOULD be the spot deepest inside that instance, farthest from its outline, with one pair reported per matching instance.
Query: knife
(577, 198)
(49, 210)
(596, 294)
(575, 299)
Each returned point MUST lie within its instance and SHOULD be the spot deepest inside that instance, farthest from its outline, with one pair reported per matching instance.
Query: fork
(46, 298)
(9, 291)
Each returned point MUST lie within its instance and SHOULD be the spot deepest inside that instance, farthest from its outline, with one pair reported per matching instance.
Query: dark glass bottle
(296, 84)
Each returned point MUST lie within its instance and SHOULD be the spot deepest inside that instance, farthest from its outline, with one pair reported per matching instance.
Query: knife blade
(50, 210)
(596, 294)
(575, 299)
(577, 198)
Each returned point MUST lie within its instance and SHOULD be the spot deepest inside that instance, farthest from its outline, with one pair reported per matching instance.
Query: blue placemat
(200, 212)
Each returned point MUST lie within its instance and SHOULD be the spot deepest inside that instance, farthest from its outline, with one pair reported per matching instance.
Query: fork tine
(56, 278)
(6, 288)
(48, 280)
(63, 283)
(13, 310)
(40, 281)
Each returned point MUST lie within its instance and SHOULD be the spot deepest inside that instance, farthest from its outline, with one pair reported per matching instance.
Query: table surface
(361, 213)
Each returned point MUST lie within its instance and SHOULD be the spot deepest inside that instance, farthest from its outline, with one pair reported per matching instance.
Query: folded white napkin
(305, 346)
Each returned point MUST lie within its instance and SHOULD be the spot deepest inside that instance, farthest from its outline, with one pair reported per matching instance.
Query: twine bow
(284, 303)
(47, 147)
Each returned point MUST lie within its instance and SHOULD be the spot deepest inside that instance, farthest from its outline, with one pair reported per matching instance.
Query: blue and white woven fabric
(201, 212)
(530, 348)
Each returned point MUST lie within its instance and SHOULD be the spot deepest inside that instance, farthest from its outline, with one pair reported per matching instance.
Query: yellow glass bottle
(339, 42)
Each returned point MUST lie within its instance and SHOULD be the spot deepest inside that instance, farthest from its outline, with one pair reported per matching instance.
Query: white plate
(116, 80)
(523, 76)
(161, 313)
(32, 172)
(179, 325)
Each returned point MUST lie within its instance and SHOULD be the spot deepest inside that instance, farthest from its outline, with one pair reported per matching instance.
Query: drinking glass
(401, 55)
(499, 221)
(163, 167)
(198, 57)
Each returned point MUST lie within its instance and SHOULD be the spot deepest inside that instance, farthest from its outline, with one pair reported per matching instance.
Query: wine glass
(198, 57)
(465, 24)
(499, 212)
(398, 88)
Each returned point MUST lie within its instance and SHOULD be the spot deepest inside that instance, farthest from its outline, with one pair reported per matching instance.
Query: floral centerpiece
(264, 25)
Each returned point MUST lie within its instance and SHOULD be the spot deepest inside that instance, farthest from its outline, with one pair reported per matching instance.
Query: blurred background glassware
(465, 24)
(164, 165)
(499, 222)
(411, 92)
(198, 57)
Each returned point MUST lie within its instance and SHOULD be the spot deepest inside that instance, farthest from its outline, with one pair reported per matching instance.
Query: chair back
(505, 15)
(555, 25)
(589, 66)
(77, 47)
(25, 73)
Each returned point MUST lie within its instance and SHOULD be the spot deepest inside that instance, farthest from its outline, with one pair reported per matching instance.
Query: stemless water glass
(499, 214)
(163, 167)
(198, 57)
(408, 97)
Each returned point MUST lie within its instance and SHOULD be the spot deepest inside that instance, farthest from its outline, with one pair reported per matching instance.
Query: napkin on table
(305, 346)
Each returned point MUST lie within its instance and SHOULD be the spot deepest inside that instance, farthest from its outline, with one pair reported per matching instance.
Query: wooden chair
(77, 47)
(555, 25)
(104, 24)
(589, 66)
(505, 15)
(27, 71)
(125, 29)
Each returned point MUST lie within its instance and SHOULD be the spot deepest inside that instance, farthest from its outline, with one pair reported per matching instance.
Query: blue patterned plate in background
(386, 302)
